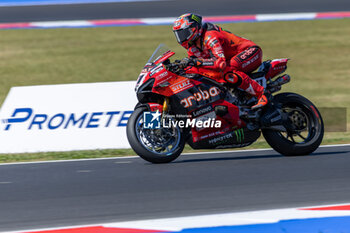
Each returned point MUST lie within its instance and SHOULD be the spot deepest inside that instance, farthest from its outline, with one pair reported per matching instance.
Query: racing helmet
(187, 29)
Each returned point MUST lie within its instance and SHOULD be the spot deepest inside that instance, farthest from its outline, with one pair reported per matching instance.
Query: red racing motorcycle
(194, 105)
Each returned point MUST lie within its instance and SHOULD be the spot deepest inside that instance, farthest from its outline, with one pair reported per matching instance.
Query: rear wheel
(154, 145)
(305, 133)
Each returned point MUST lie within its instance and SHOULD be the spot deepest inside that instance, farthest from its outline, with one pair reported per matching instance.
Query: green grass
(29, 157)
(319, 66)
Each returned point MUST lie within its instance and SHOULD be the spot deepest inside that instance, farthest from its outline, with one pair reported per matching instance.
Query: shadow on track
(255, 157)
(329, 153)
(229, 158)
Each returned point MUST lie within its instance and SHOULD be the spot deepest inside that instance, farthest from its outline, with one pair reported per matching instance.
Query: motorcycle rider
(210, 46)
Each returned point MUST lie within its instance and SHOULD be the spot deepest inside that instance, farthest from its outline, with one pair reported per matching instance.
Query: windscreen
(160, 50)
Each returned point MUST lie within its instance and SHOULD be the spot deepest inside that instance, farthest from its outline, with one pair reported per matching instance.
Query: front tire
(154, 145)
(308, 128)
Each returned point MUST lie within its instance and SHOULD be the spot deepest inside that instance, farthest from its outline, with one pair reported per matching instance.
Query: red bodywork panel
(229, 122)
(153, 107)
(278, 66)
(165, 56)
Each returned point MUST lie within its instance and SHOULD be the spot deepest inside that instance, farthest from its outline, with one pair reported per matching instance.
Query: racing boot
(244, 82)
(255, 89)
(262, 101)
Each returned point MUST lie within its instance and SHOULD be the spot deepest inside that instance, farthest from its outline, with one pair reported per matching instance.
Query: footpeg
(249, 114)
(252, 126)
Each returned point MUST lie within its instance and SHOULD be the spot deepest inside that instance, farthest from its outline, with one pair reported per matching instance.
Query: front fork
(166, 104)
(154, 107)
(165, 107)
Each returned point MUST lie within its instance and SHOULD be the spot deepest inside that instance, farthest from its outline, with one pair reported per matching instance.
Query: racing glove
(191, 62)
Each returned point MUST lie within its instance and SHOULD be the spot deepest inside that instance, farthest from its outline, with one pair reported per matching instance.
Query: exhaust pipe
(280, 81)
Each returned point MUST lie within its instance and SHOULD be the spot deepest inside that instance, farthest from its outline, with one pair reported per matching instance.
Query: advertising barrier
(66, 117)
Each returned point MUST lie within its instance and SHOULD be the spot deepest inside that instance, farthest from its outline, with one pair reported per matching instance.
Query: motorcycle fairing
(164, 57)
(271, 68)
(278, 66)
(152, 107)
(190, 96)
(226, 139)
(197, 96)
(232, 132)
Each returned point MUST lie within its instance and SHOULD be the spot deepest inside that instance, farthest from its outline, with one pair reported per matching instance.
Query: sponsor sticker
(181, 86)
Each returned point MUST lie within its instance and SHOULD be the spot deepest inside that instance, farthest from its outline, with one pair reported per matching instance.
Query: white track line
(132, 157)
(285, 16)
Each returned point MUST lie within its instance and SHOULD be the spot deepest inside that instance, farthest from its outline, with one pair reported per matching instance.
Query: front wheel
(161, 145)
(306, 131)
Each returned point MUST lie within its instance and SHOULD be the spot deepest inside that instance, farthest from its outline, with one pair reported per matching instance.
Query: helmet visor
(183, 35)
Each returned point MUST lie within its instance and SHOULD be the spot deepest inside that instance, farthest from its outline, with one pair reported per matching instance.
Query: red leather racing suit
(238, 56)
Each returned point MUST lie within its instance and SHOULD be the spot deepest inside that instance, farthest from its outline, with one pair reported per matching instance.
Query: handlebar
(178, 68)
(175, 67)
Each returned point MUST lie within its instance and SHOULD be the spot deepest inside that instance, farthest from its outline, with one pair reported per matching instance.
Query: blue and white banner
(66, 117)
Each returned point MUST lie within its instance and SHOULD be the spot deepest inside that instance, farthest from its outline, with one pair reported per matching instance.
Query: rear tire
(150, 154)
(304, 116)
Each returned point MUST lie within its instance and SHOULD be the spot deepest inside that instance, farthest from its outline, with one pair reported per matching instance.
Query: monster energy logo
(239, 135)
(196, 18)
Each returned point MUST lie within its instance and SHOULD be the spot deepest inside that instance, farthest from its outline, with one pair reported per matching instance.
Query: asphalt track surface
(41, 195)
(167, 8)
